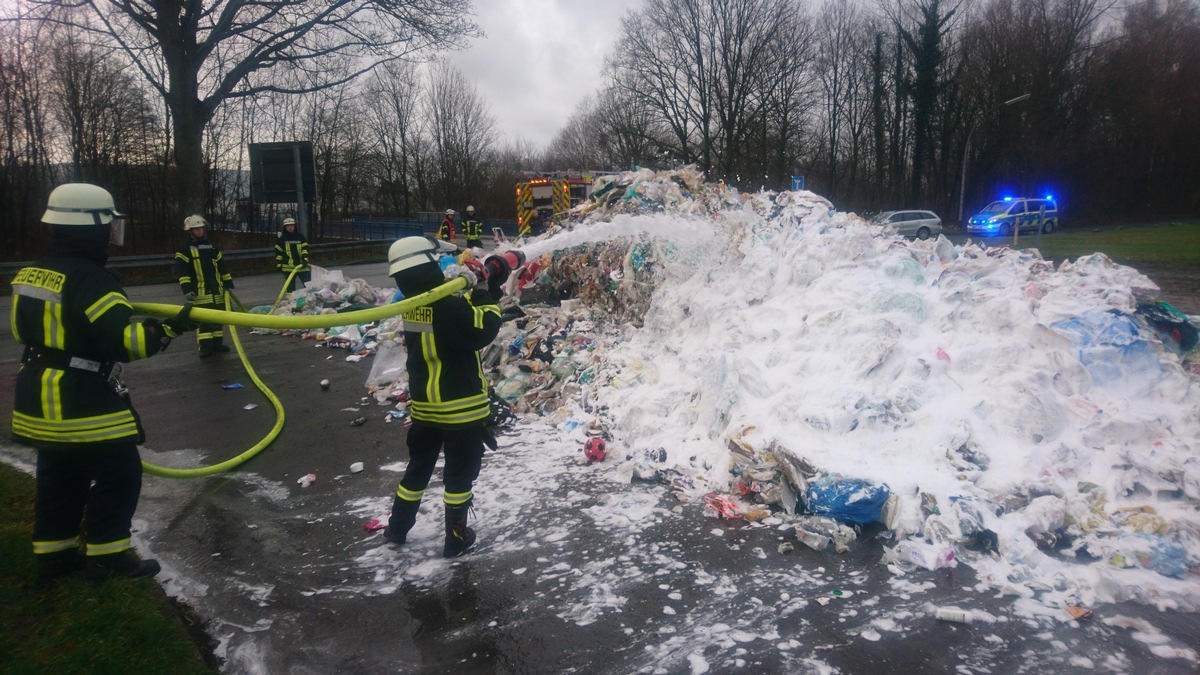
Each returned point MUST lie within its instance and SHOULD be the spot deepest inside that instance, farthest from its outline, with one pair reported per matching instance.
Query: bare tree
(790, 96)
(576, 145)
(396, 91)
(199, 54)
(463, 133)
(626, 131)
(923, 29)
(699, 66)
(839, 28)
(25, 171)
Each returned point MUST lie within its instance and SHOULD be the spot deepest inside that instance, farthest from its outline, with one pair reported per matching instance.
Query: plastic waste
(1156, 552)
(721, 506)
(511, 388)
(817, 542)
(1111, 347)
(356, 467)
(1075, 613)
(846, 500)
(911, 554)
(307, 479)
(953, 615)
(388, 364)
(1171, 324)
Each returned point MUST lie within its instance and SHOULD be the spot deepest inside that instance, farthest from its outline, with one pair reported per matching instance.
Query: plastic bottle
(817, 542)
(953, 615)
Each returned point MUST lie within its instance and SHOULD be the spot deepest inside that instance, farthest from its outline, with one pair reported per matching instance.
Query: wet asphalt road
(288, 581)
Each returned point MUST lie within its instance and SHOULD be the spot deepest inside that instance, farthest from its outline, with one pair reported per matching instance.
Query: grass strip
(1171, 244)
(120, 626)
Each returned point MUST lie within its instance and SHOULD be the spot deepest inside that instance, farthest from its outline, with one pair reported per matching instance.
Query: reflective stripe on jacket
(201, 269)
(74, 309)
(446, 383)
(291, 253)
(472, 228)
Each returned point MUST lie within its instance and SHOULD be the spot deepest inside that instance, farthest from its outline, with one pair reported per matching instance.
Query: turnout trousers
(464, 457)
(98, 487)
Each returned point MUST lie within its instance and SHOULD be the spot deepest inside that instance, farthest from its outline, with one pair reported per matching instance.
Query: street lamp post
(962, 185)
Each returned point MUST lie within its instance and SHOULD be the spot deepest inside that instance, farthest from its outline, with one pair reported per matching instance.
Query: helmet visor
(116, 229)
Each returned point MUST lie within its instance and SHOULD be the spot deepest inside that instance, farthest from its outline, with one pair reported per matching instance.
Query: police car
(1022, 213)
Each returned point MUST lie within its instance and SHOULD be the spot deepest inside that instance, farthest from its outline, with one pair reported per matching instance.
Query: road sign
(279, 170)
(797, 183)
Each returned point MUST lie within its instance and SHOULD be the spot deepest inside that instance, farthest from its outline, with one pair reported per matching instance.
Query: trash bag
(1111, 347)
(846, 500)
(389, 364)
(1151, 551)
(1170, 323)
(502, 413)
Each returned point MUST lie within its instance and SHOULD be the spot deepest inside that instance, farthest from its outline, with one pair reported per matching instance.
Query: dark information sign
(274, 177)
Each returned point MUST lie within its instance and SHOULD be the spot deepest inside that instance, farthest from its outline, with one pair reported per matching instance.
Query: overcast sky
(539, 59)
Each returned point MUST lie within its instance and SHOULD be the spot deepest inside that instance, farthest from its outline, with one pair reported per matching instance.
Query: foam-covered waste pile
(773, 357)
(990, 407)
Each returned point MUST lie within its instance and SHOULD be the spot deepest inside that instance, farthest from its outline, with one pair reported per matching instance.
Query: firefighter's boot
(124, 564)
(54, 566)
(404, 516)
(459, 537)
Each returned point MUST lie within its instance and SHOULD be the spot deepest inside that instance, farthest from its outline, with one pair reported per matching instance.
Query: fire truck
(543, 196)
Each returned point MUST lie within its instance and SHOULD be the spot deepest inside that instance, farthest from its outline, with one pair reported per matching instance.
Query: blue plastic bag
(1111, 347)
(846, 500)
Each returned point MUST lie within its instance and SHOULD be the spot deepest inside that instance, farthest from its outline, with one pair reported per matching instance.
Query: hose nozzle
(498, 267)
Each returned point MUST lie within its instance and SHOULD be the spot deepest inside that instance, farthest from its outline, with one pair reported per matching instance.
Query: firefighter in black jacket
(74, 319)
(291, 253)
(447, 390)
(472, 228)
(204, 281)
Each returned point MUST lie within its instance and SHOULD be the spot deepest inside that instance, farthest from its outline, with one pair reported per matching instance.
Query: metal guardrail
(359, 232)
(9, 269)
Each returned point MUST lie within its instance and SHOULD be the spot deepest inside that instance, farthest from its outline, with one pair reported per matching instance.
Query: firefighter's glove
(473, 279)
(179, 324)
(189, 296)
(229, 285)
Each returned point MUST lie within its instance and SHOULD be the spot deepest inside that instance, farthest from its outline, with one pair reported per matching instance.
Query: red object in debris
(723, 506)
(595, 449)
(374, 525)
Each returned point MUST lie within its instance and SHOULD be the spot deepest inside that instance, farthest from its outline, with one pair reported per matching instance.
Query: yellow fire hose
(231, 319)
(287, 286)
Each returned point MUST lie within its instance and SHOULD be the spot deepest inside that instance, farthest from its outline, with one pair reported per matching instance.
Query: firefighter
(74, 319)
(472, 228)
(204, 281)
(291, 253)
(447, 389)
(446, 229)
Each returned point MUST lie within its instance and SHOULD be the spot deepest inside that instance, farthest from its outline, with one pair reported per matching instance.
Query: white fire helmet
(412, 251)
(289, 221)
(192, 222)
(449, 212)
(470, 209)
(80, 204)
